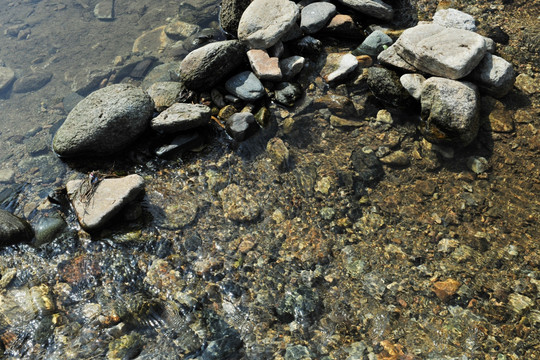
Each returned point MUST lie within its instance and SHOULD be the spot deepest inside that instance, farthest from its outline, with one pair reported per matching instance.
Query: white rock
(494, 75)
(413, 84)
(264, 22)
(391, 57)
(347, 64)
(96, 206)
(453, 18)
(291, 66)
(438, 51)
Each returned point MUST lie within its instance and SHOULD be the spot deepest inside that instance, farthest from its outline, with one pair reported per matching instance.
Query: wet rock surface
(14, 229)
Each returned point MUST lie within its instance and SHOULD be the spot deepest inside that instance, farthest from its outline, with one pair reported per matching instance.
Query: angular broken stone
(390, 57)
(104, 10)
(438, 51)
(494, 76)
(264, 66)
(375, 8)
(96, 204)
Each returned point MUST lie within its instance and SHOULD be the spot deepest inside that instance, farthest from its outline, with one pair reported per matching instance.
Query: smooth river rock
(165, 93)
(206, 66)
(96, 206)
(316, 15)
(181, 117)
(32, 82)
(246, 86)
(14, 229)
(265, 21)
(105, 122)
(441, 52)
(450, 111)
(375, 8)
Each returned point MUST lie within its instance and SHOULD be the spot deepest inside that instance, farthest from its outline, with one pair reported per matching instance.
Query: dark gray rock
(246, 86)
(265, 22)
(386, 86)
(240, 125)
(376, 42)
(287, 93)
(206, 66)
(450, 111)
(315, 16)
(366, 164)
(180, 117)
(180, 143)
(105, 122)
(375, 8)
(32, 82)
(306, 46)
(230, 14)
(48, 227)
(13, 229)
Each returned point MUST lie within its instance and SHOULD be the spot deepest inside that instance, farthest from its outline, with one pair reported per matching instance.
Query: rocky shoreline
(317, 217)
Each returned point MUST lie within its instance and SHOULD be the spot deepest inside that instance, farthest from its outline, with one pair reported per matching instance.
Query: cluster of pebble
(273, 36)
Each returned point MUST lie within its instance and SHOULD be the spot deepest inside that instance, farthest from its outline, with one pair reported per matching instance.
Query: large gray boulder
(450, 111)
(181, 117)
(230, 14)
(96, 204)
(265, 21)
(13, 229)
(375, 8)
(494, 76)
(105, 122)
(441, 52)
(206, 66)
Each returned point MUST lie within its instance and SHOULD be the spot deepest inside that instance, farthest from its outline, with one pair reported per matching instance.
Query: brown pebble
(446, 289)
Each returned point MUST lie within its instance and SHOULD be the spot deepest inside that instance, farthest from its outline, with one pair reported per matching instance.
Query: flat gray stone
(165, 93)
(453, 18)
(6, 77)
(494, 76)
(246, 86)
(375, 8)
(206, 66)
(413, 83)
(390, 57)
(104, 10)
(32, 82)
(7, 175)
(450, 111)
(96, 205)
(436, 50)
(105, 122)
(265, 21)
(315, 16)
(181, 117)
(180, 30)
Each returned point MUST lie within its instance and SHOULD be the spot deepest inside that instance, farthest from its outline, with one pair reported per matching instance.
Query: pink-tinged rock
(96, 205)
(344, 26)
(264, 66)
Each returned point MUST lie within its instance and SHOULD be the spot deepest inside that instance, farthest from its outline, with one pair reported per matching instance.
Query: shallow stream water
(233, 257)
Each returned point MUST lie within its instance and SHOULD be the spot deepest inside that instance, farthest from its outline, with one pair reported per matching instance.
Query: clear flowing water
(236, 258)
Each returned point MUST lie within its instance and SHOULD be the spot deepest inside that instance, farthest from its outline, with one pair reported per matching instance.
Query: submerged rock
(13, 229)
(96, 204)
(442, 52)
(239, 204)
(240, 125)
(105, 122)
(265, 22)
(450, 111)
(206, 66)
(6, 77)
(165, 93)
(32, 82)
